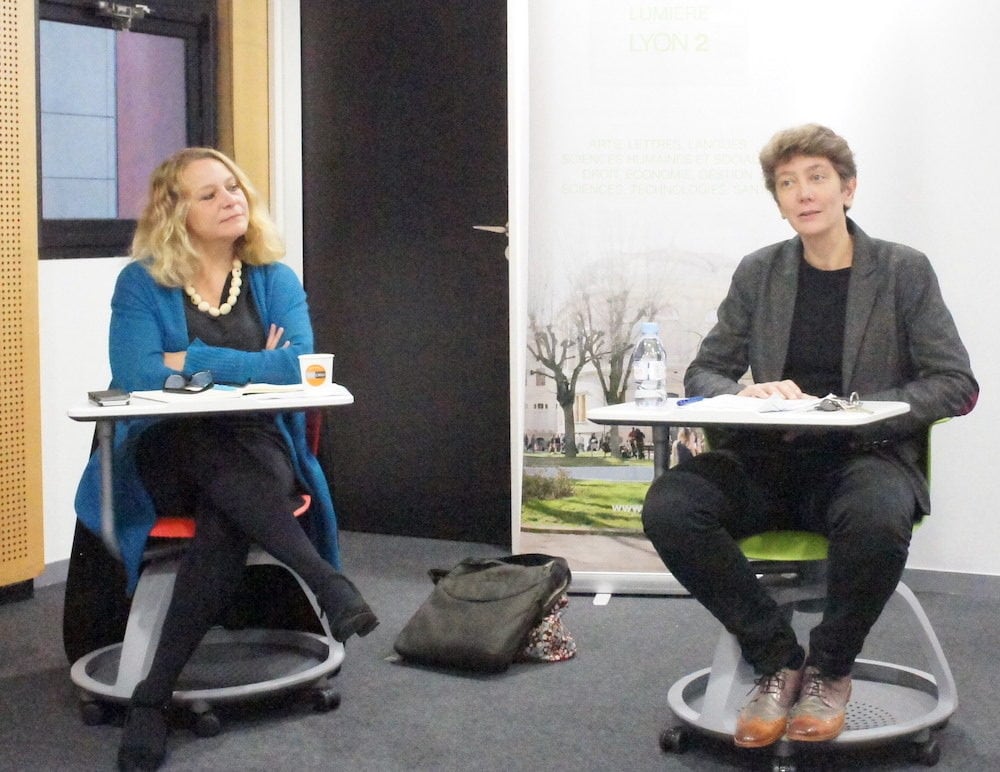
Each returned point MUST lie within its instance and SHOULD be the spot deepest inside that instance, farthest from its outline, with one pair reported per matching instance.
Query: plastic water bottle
(649, 367)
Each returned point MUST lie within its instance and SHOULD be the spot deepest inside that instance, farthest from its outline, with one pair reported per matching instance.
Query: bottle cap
(650, 328)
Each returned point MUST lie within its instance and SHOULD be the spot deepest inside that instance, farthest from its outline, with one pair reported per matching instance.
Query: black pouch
(480, 613)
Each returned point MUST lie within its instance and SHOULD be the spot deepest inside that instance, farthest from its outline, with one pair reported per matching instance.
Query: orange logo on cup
(315, 375)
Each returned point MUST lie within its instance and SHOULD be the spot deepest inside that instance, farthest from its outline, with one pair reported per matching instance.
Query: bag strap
(559, 571)
(528, 559)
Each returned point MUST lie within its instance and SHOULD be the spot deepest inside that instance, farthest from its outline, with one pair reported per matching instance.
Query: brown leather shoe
(762, 720)
(819, 714)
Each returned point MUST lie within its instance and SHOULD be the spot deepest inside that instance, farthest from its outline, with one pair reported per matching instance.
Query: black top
(240, 329)
(816, 345)
(814, 362)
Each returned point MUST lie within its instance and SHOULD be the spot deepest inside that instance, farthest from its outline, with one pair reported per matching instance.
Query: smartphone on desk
(108, 397)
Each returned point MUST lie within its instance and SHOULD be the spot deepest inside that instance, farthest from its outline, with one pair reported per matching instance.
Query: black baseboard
(18, 591)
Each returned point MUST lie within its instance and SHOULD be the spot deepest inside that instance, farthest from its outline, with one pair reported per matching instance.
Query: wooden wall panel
(243, 89)
(21, 550)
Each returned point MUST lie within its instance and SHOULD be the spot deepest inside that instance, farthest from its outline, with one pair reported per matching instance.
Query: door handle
(501, 229)
(492, 228)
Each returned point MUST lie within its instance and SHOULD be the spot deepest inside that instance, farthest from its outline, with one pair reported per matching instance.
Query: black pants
(237, 480)
(695, 512)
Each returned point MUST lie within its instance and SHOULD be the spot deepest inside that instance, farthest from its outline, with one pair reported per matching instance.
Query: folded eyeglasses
(178, 384)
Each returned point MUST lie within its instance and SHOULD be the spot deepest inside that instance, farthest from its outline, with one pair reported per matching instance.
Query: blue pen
(688, 401)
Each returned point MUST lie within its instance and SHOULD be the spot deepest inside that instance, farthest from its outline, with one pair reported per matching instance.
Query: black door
(404, 150)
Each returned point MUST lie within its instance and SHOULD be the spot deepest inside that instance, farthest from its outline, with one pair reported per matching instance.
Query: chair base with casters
(890, 703)
(228, 666)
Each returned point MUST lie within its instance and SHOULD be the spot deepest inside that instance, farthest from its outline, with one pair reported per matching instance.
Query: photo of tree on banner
(582, 482)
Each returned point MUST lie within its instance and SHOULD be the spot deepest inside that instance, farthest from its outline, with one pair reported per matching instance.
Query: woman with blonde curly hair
(206, 293)
(161, 235)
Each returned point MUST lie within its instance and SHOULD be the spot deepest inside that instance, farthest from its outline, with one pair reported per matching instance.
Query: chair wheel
(782, 765)
(325, 699)
(927, 753)
(674, 739)
(206, 723)
(94, 713)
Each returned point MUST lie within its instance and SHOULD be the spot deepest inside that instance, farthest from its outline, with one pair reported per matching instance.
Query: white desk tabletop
(214, 401)
(719, 411)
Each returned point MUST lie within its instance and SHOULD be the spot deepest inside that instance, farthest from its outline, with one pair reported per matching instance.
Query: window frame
(196, 22)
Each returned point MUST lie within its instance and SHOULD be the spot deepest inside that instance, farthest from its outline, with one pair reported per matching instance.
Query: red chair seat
(183, 527)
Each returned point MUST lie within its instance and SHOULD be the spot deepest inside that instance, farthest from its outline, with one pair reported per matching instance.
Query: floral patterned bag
(549, 640)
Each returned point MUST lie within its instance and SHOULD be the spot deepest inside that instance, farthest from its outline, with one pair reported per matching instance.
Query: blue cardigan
(148, 319)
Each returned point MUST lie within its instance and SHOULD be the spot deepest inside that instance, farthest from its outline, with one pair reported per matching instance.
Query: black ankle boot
(144, 738)
(345, 609)
(359, 621)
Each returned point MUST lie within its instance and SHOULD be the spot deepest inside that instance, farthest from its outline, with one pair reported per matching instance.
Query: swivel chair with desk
(232, 664)
(890, 702)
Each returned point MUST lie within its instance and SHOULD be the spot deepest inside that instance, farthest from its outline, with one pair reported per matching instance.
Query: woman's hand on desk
(784, 389)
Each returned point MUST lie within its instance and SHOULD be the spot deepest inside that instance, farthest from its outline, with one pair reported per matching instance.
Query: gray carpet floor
(603, 710)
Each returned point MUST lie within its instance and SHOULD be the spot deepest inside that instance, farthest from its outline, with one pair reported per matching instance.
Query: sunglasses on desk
(178, 384)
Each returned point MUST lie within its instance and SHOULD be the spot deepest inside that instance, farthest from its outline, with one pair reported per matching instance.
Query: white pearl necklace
(235, 283)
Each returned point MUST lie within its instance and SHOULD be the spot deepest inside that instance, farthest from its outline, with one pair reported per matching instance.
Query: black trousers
(695, 513)
(236, 478)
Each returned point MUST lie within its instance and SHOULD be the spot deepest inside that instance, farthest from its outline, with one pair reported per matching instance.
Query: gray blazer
(900, 341)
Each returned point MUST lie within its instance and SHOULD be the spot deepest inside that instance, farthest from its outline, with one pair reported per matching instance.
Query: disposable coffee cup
(316, 370)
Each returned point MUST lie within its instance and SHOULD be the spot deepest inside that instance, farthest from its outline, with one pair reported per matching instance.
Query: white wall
(73, 333)
(908, 82)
